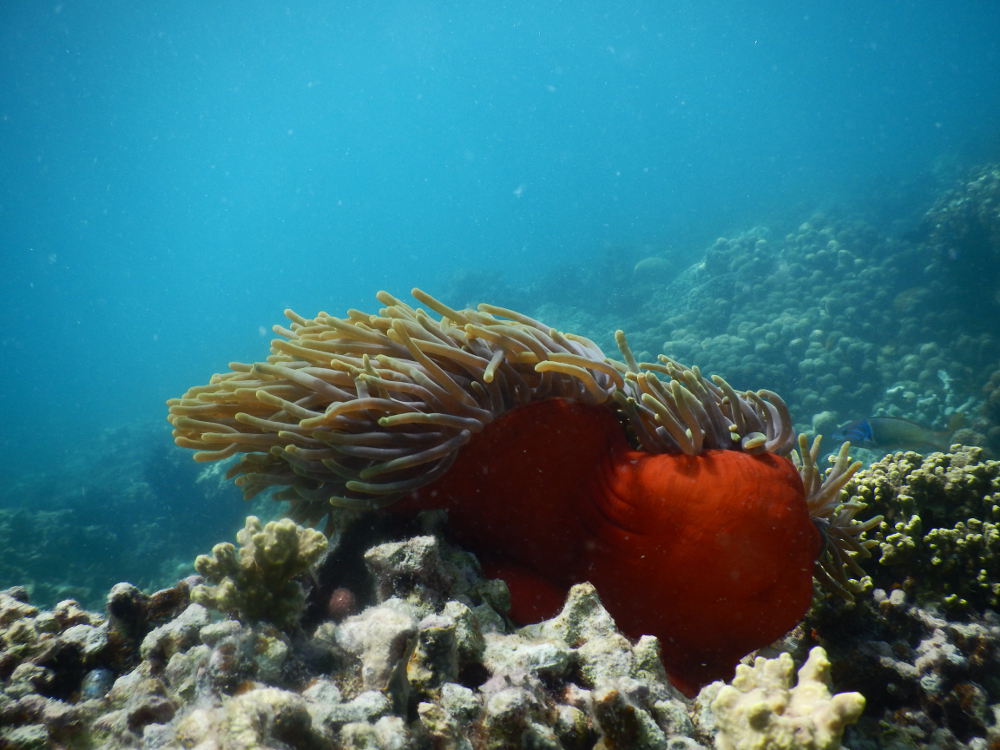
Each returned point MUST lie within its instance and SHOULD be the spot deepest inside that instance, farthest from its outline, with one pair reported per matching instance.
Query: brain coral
(940, 538)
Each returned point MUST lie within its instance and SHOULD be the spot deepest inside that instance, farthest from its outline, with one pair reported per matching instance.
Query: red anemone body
(713, 554)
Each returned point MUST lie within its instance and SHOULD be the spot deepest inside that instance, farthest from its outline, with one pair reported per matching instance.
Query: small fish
(896, 433)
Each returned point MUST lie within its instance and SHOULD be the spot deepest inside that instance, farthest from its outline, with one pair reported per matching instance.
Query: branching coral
(762, 709)
(257, 581)
(940, 538)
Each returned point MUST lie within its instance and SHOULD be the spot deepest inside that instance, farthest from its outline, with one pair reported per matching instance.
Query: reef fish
(894, 433)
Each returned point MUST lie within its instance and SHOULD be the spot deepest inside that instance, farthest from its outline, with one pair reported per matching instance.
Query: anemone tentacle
(358, 411)
(834, 515)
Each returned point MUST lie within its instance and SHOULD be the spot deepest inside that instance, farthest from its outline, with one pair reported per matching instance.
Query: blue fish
(895, 433)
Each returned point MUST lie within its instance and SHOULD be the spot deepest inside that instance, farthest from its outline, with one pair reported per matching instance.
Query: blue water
(175, 174)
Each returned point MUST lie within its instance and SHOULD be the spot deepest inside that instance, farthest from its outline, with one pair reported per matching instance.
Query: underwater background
(799, 196)
(803, 197)
(174, 176)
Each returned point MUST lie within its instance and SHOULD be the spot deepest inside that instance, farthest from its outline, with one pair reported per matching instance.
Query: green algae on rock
(257, 582)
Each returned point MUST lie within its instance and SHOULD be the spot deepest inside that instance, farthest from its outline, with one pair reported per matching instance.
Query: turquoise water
(174, 175)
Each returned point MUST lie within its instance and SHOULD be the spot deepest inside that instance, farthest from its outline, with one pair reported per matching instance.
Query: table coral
(940, 537)
(762, 709)
(257, 582)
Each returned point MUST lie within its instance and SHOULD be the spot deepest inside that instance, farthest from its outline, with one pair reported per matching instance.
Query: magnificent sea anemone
(681, 499)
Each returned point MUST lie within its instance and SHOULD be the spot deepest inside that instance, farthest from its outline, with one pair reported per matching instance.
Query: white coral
(760, 708)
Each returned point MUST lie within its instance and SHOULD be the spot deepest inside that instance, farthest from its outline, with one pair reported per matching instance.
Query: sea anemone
(673, 493)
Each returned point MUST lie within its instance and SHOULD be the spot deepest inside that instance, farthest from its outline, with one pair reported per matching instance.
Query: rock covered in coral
(940, 537)
(929, 680)
(431, 663)
(567, 682)
(765, 706)
(257, 581)
(58, 667)
(923, 645)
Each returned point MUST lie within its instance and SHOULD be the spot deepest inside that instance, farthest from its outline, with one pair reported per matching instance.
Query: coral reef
(940, 537)
(431, 663)
(257, 581)
(419, 653)
(765, 707)
(929, 680)
(962, 233)
(833, 313)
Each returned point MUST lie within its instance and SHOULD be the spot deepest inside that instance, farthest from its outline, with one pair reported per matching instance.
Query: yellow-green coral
(940, 537)
(761, 710)
(257, 582)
